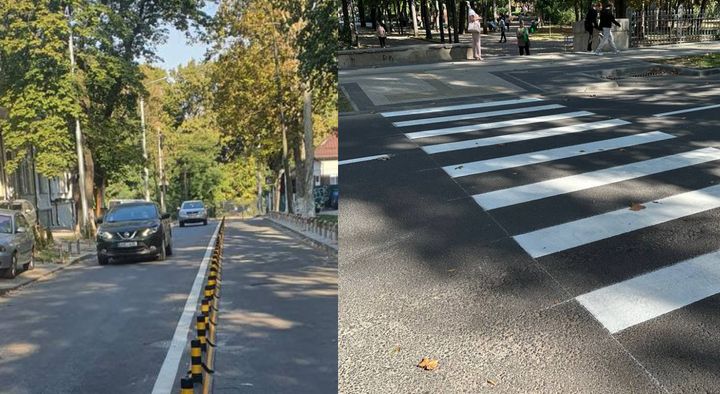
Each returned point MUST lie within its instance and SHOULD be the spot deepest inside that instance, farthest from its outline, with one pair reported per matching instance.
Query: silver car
(192, 211)
(17, 243)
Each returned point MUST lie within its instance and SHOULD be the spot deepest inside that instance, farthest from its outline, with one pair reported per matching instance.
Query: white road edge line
(168, 372)
(458, 107)
(682, 111)
(476, 115)
(645, 297)
(362, 159)
(581, 232)
(568, 184)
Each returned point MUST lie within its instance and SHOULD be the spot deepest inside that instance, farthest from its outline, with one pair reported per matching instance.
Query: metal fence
(650, 27)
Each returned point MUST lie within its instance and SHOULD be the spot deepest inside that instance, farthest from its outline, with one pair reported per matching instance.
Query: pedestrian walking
(523, 38)
(607, 19)
(503, 29)
(591, 23)
(382, 34)
(474, 27)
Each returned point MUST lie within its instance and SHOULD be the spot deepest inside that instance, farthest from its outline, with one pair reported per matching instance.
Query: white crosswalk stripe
(476, 115)
(495, 125)
(595, 228)
(423, 111)
(616, 306)
(573, 183)
(502, 163)
(515, 137)
(654, 294)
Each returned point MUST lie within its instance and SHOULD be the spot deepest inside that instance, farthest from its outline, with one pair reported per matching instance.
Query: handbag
(474, 27)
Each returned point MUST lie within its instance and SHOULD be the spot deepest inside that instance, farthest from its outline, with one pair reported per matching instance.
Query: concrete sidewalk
(368, 88)
(277, 325)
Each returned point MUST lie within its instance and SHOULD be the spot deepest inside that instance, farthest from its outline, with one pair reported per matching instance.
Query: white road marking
(502, 163)
(168, 372)
(656, 293)
(476, 115)
(420, 111)
(573, 183)
(682, 111)
(529, 135)
(595, 228)
(495, 125)
(361, 159)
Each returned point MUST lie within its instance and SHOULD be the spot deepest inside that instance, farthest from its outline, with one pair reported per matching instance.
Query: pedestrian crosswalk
(467, 143)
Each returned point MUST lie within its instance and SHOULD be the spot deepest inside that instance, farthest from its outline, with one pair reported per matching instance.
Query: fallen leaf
(458, 167)
(384, 158)
(491, 382)
(428, 364)
(451, 270)
(396, 350)
(636, 206)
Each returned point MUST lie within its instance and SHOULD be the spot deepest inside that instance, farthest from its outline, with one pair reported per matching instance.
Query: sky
(177, 50)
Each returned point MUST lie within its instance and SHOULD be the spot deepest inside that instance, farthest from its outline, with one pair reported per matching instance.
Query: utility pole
(286, 167)
(144, 148)
(161, 172)
(78, 139)
(4, 115)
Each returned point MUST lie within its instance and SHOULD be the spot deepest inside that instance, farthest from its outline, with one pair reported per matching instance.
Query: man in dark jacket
(606, 21)
(591, 23)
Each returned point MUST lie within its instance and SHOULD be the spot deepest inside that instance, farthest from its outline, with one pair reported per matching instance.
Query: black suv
(135, 229)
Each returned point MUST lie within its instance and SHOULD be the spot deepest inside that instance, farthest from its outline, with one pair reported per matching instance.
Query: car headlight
(149, 231)
(104, 235)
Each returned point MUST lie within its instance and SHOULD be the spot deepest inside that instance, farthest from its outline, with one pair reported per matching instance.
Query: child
(523, 38)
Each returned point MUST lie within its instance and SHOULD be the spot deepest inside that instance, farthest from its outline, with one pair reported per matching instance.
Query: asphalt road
(94, 328)
(452, 249)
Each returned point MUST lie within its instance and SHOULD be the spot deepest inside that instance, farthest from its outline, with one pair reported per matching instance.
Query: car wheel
(103, 260)
(12, 271)
(163, 253)
(30, 264)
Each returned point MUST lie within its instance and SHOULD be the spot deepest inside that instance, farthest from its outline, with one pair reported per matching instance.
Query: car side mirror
(99, 220)
(21, 230)
(165, 216)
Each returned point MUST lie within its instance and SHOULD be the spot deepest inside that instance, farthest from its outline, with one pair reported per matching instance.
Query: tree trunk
(462, 17)
(307, 182)
(346, 34)
(426, 18)
(259, 180)
(441, 15)
(361, 12)
(455, 22)
(414, 18)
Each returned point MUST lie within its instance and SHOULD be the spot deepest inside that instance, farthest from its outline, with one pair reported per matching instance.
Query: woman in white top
(472, 18)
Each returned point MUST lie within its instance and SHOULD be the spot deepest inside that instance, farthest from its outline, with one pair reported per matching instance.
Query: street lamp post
(78, 139)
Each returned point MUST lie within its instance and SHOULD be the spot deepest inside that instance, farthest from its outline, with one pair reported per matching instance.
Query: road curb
(313, 242)
(53, 270)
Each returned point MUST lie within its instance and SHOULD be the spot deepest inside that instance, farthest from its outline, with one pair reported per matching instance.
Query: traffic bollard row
(202, 348)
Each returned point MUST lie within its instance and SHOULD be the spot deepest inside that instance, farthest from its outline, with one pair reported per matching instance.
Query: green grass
(328, 218)
(708, 60)
(343, 102)
(49, 255)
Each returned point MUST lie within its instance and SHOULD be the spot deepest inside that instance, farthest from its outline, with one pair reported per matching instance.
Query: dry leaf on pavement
(428, 364)
(396, 350)
(491, 382)
(636, 206)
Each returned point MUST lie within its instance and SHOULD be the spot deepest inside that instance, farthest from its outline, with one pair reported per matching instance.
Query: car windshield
(12, 206)
(192, 205)
(6, 224)
(131, 212)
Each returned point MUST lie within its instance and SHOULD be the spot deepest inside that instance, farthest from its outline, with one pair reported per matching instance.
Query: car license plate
(127, 244)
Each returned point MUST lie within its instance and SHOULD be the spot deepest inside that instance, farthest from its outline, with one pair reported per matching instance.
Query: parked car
(193, 211)
(135, 229)
(24, 206)
(17, 243)
(115, 202)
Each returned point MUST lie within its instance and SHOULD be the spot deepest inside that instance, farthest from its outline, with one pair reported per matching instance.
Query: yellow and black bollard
(201, 332)
(187, 386)
(196, 361)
